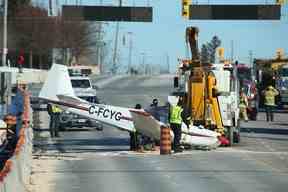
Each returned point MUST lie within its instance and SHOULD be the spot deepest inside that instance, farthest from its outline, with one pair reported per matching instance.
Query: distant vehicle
(82, 86)
(80, 70)
(83, 89)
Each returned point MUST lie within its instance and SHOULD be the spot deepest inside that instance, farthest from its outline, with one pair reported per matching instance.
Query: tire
(65, 118)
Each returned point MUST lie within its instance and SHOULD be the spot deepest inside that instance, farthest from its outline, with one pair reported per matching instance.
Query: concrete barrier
(28, 75)
(16, 172)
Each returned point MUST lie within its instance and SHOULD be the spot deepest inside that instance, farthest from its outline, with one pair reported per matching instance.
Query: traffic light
(185, 8)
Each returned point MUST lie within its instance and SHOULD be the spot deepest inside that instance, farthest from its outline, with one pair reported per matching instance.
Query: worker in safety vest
(269, 95)
(243, 104)
(54, 113)
(175, 119)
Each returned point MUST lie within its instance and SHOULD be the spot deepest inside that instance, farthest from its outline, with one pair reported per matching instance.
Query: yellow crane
(208, 96)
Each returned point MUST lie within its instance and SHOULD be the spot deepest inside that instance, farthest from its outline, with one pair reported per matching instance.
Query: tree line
(32, 32)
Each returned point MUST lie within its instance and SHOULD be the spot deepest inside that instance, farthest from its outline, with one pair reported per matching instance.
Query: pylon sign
(108, 13)
(235, 12)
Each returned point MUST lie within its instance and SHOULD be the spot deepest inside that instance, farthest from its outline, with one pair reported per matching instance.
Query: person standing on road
(54, 113)
(154, 110)
(269, 95)
(175, 119)
(134, 136)
(243, 104)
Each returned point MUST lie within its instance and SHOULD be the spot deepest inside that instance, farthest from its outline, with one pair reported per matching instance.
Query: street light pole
(114, 67)
(130, 52)
(4, 50)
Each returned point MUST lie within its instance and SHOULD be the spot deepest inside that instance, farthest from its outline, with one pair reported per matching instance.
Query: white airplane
(58, 90)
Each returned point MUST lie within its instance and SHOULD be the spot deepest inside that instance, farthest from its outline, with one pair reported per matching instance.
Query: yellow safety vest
(243, 101)
(175, 114)
(270, 97)
(56, 109)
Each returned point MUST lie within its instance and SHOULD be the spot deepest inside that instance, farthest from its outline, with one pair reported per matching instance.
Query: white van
(83, 89)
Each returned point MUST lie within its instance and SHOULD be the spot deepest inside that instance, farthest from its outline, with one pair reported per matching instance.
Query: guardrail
(16, 171)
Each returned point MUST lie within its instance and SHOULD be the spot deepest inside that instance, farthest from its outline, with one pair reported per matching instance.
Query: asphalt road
(88, 160)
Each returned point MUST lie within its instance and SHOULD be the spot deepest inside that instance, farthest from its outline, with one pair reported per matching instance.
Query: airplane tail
(57, 83)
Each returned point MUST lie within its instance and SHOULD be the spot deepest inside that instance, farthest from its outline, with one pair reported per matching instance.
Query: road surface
(88, 160)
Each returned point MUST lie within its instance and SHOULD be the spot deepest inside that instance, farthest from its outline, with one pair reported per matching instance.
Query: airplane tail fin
(57, 83)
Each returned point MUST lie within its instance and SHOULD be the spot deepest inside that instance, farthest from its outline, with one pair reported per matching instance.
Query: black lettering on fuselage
(105, 113)
(100, 110)
(118, 116)
(91, 110)
(112, 114)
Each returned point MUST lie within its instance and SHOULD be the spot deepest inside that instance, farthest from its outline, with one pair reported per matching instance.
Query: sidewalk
(278, 126)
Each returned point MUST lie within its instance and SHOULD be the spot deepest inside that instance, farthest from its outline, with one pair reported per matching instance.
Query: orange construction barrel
(165, 141)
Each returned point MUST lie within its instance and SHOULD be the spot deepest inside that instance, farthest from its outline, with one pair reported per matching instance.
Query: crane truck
(210, 92)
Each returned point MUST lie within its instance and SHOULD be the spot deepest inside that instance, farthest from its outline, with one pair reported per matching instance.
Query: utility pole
(144, 64)
(50, 7)
(168, 63)
(251, 65)
(4, 50)
(114, 67)
(250, 58)
(130, 52)
(3, 83)
(99, 45)
(232, 50)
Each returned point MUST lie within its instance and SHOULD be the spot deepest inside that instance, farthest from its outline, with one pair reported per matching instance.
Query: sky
(166, 34)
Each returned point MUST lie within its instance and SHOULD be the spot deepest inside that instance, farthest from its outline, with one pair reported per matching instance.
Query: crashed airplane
(57, 90)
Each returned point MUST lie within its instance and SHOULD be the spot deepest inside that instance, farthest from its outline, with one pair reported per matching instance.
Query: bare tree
(208, 50)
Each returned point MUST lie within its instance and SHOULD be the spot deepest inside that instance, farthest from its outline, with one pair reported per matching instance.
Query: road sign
(235, 12)
(108, 13)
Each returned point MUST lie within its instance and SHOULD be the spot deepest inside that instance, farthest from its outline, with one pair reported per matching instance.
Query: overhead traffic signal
(185, 8)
